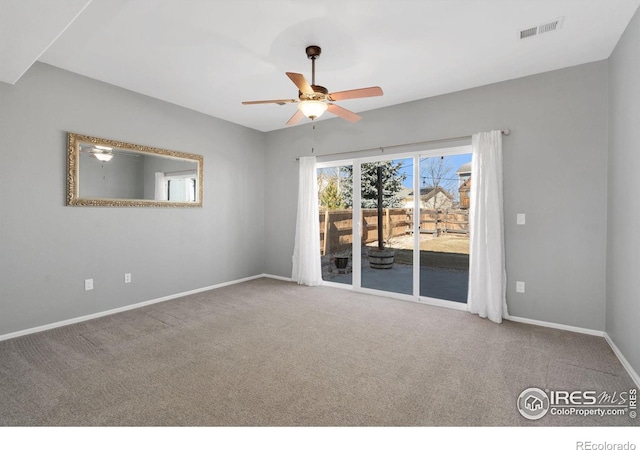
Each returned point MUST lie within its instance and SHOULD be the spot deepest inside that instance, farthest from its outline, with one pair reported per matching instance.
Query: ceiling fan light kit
(103, 156)
(312, 108)
(313, 100)
(102, 153)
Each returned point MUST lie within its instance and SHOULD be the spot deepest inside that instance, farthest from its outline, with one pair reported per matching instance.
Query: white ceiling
(210, 55)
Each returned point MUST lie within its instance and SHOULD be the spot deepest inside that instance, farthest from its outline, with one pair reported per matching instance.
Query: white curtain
(306, 252)
(161, 191)
(487, 276)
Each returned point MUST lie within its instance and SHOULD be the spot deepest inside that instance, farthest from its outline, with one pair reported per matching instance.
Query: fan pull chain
(313, 135)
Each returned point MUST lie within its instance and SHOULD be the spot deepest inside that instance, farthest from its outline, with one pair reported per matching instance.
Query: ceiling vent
(529, 32)
(554, 25)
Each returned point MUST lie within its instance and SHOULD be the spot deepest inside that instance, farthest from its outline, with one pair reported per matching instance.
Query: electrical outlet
(127, 278)
(520, 287)
(88, 284)
(520, 219)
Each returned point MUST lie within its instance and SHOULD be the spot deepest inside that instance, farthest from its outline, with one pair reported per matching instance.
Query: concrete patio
(435, 282)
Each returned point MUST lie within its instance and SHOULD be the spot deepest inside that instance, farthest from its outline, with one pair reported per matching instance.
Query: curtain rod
(434, 141)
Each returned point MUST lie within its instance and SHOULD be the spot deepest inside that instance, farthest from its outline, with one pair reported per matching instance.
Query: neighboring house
(406, 197)
(464, 173)
(465, 194)
(464, 185)
(430, 198)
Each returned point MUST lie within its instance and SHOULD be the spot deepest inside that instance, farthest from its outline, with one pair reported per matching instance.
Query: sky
(454, 161)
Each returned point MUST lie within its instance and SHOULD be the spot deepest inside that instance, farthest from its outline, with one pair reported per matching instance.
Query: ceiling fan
(99, 152)
(313, 99)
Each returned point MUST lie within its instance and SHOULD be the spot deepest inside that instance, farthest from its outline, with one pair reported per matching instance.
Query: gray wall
(554, 171)
(623, 234)
(47, 249)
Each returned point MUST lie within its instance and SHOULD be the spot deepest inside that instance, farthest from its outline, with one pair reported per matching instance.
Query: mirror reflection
(110, 173)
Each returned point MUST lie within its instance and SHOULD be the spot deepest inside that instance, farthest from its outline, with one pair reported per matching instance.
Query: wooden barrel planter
(381, 258)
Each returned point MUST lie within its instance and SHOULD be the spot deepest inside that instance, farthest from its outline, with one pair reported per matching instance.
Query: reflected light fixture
(312, 108)
(103, 154)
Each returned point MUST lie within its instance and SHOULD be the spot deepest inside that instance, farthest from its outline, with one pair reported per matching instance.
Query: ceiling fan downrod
(313, 53)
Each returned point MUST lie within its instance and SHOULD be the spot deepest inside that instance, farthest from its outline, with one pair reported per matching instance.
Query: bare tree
(437, 173)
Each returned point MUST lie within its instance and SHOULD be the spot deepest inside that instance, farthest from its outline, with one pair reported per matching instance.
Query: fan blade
(373, 91)
(279, 102)
(300, 81)
(295, 118)
(344, 113)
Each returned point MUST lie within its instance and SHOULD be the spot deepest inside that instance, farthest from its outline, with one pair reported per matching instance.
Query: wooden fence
(336, 225)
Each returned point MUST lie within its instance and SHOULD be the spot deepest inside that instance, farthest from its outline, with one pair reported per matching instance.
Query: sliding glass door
(444, 227)
(404, 231)
(386, 246)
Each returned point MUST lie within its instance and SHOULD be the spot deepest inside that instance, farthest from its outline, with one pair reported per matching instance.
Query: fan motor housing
(320, 93)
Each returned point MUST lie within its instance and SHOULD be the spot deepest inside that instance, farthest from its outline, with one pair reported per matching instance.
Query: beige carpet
(268, 352)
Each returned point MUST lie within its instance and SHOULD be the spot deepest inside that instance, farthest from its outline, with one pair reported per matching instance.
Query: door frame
(415, 155)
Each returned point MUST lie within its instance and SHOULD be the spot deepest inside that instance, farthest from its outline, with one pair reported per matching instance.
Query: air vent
(528, 32)
(551, 26)
(554, 25)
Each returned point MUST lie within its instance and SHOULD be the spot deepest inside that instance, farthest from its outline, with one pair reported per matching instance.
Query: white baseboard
(276, 277)
(62, 323)
(557, 326)
(632, 373)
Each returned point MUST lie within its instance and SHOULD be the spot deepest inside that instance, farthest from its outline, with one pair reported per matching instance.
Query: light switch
(88, 284)
(520, 218)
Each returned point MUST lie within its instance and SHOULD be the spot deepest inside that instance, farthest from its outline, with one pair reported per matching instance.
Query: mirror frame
(73, 173)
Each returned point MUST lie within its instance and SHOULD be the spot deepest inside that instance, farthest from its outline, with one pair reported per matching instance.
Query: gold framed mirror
(105, 172)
